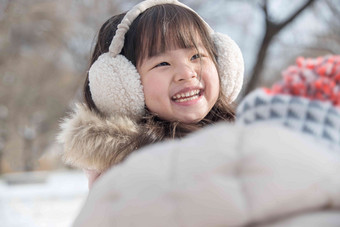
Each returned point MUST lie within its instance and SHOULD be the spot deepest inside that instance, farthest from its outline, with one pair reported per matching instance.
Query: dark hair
(156, 30)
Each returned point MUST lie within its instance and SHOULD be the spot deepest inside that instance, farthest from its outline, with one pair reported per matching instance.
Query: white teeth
(187, 99)
(187, 94)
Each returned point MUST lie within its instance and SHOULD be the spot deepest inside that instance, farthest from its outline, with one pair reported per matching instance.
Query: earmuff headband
(117, 42)
(115, 84)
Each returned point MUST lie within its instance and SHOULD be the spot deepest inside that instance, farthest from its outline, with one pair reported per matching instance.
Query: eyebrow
(198, 47)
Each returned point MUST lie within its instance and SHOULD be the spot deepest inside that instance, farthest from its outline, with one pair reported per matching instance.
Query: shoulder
(246, 172)
(96, 142)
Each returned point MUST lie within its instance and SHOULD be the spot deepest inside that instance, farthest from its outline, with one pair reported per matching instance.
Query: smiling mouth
(187, 96)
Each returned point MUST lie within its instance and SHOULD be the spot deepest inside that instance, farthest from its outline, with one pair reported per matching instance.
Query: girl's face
(181, 84)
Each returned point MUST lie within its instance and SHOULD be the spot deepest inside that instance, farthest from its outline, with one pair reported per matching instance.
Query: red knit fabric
(313, 78)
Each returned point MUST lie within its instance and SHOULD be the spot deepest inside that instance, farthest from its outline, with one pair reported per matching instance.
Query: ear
(231, 65)
(116, 87)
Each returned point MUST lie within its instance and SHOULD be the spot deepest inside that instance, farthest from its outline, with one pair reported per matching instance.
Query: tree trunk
(272, 29)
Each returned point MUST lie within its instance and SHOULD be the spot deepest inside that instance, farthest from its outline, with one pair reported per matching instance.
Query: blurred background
(45, 47)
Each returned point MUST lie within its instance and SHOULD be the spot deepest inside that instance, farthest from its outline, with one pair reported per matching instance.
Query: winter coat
(96, 142)
(278, 166)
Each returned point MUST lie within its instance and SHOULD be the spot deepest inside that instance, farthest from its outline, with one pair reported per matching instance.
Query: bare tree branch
(292, 17)
(272, 29)
(333, 7)
(264, 7)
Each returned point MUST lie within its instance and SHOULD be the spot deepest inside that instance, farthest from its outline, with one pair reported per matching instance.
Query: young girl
(278, 165)
(157, 72)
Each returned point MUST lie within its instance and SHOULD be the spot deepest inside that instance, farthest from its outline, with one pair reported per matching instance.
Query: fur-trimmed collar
(95, 142)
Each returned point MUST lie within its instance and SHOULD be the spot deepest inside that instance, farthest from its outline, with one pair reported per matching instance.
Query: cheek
(148, 91)
(153, 90)
(213, 78)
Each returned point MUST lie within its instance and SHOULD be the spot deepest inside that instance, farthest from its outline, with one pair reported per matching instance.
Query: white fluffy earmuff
(115, 84)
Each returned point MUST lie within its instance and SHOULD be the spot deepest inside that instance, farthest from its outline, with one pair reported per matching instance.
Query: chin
(186, 119)
(190, 120)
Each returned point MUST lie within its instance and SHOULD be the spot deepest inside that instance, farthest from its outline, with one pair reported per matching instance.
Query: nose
(185, 72)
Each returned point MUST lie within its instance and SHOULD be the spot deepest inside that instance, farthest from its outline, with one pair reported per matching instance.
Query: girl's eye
(196, 56)
(162, 64)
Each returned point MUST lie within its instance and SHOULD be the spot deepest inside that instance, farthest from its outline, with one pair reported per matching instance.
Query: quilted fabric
(320, 120)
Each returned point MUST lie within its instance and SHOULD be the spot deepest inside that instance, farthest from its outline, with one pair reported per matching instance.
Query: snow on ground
(54, 203)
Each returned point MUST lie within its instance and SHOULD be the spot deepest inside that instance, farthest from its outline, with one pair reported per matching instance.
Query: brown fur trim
(94, 142)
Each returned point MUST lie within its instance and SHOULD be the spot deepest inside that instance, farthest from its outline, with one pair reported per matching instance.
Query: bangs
(167, 27)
